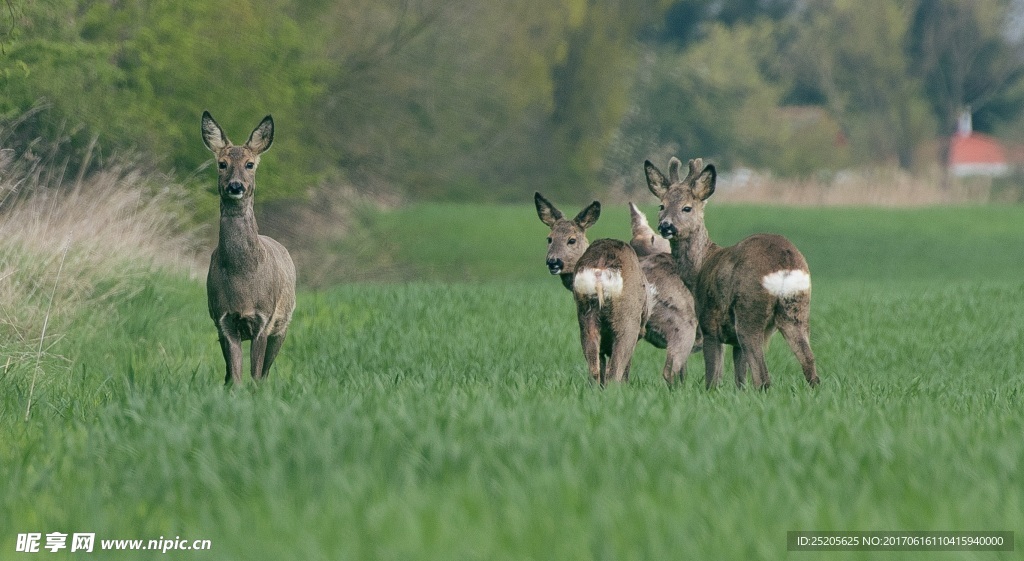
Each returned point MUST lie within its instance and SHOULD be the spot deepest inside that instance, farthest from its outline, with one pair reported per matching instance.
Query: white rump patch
(604, 283)
(787, 283)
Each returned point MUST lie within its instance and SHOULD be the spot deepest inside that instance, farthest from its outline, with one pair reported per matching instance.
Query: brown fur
(733, 305)
(611, 325)
(645, 240)
(672, 324)
(251, 283)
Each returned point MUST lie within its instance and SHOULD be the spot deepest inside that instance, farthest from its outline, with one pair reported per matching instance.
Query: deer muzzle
(235, 190)
(555, 266)
(667, 230)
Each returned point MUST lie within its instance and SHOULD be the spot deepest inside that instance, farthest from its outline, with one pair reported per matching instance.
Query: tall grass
(444, 419)
(437, 421)
(72, 248)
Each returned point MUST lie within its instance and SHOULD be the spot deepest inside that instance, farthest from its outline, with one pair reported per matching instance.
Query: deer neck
(567, 279)
(690, 251)
(239, 246)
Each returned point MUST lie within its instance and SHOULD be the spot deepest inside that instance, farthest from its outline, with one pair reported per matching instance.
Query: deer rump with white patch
(671, 324)
(612, 305)
(743, 293)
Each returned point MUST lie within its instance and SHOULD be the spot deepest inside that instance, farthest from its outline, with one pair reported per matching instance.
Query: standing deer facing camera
(251, 283)
(743, 292)
(671, 323)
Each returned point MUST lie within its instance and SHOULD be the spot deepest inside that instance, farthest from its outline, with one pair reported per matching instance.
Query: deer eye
(687, 208)
(222, 165)
(549, 240)
(572, 241)
(661, 207)
(249, 165)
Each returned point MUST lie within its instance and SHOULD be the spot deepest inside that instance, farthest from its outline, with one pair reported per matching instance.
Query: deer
(645, 240)
(744, 292)
(250, 287)
(671, 322)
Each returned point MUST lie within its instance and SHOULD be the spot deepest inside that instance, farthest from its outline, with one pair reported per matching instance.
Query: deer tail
(599, 283)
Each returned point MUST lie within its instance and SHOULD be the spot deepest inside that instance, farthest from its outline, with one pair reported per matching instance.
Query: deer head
(568, 238)
(682, 201)
(236, 165)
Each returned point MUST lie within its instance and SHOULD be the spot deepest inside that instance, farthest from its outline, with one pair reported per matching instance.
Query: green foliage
(456, 100)
(138, 75)
(453, 100)
(967, 56)
(455, 421)
(856, 52)
(714, 99)
(412, 95)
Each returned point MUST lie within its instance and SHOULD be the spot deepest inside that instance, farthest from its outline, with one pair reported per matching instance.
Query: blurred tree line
(460, 99)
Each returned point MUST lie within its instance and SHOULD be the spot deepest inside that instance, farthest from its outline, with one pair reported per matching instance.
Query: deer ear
(637, 219)
(656, 182)
(262, 136)
(704, 185)
(695, 166)
(588, 216)
(546, 211)
(213, 136)
(673, 169)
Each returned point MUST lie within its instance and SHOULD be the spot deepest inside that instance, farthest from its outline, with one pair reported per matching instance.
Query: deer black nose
(555, 266)
(667, 229)
(235, 189)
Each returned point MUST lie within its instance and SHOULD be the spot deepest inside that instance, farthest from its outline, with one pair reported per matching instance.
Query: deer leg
(739, 362)
(675, 365)
(622, 356)
(712, 361)
(669, 371)
(675, 359)
(622, 351)
(752, 346)
(698, 340)
(231, 347)
(590, 337)
(274, 343)
(257, 352)
(797, 334)
(258, 349)
(686, 341)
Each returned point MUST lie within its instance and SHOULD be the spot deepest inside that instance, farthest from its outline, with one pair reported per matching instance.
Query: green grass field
(451, 417)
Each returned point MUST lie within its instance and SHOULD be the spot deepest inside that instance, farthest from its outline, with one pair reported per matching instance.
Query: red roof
(976, 148)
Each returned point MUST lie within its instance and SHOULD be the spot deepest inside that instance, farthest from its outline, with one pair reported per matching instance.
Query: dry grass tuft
(69, 248)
